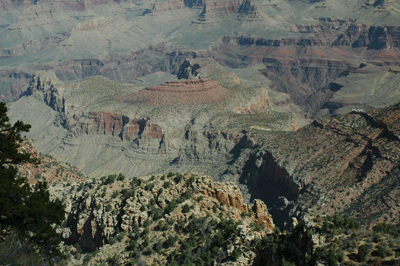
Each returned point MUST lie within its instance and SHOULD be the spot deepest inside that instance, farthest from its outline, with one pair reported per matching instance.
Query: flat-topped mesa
(185, 86)
(199, 91)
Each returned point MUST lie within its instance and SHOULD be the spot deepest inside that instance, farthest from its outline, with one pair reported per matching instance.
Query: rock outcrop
(100, 211)
(190, 92)
(49, 168)
(50, 87)
(335, 166)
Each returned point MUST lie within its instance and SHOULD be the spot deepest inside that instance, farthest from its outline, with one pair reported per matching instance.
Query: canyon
(279, 97)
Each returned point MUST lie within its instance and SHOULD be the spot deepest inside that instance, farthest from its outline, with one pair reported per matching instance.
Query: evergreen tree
(25, 209)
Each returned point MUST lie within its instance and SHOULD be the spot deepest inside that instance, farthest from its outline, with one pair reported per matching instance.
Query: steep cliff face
(13, 85)
(371, 37)
(303, 65)
(335, 165)
(113, 124)
(49, 87)
(214, 11)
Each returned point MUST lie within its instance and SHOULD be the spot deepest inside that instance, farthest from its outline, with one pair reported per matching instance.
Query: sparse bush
(78, 248)
(108, 180)
(363, 252)
(170, 241)
(178, 178)
(114, 260)
(235, 254)
(149, 186)
(170, 207)
(146, 223)
(127, 193)
(186, 208)
(257, 227)
(157, 213)
(114, 194)
(120, 177)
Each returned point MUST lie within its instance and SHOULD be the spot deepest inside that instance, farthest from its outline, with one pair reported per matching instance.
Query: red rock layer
(110, 123)
(180, 92)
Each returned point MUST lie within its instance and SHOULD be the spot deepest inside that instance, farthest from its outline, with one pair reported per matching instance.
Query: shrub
(170, 241)
(109, 179)
(332, 258)
(148, 251)
(381, 251)
(185, 196)
(149, 186)
(146, 242)
(127, 193)
(114, 194)
(186, 208)
(235, 254)
(120, 177)
(340, 255)
(78, 248)
(157, 213)
(146, 223)
(257, 227)
(178, 178)
(114, 260)
(166, 185)
(363, 252)
(170, 207)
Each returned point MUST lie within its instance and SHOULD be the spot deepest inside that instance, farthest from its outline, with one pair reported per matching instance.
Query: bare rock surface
(104, 127)
(345, 165)
(300, 46)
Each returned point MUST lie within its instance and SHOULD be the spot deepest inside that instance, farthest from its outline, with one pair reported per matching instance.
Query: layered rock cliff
(176, 125)
(343, 165)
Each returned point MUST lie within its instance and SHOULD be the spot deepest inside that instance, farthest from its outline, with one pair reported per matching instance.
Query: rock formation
(342, 165)
(100, 211)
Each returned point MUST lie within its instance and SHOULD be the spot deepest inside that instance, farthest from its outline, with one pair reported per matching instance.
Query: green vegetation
(170, 231)
(26, 211)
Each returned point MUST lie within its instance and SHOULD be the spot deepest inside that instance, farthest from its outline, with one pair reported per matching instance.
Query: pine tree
(25, 209)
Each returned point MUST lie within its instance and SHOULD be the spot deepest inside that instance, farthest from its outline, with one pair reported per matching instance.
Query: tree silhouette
(25, 209)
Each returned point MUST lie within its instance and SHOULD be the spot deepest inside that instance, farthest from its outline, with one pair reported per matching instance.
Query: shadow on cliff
(271, 183)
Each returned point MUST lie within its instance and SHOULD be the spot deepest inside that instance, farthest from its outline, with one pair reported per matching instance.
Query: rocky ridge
(143, 213)
(342, 165)
(48, 168)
